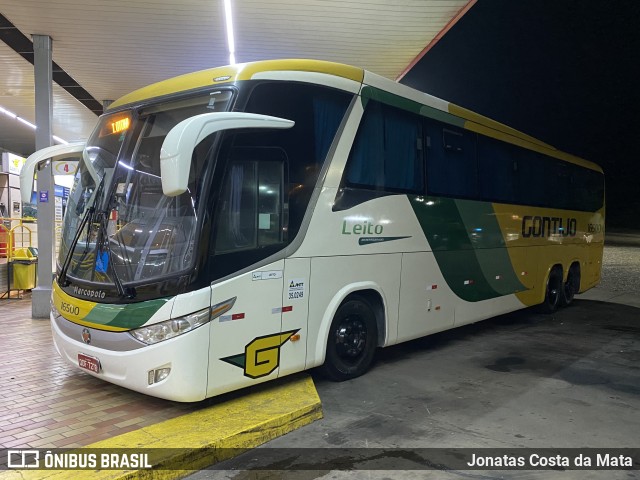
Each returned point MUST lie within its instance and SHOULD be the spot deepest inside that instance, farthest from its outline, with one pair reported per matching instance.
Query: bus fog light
(157, 375)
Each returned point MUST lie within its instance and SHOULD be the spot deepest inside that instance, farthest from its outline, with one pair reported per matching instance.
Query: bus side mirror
(177, 148)
(56, 152)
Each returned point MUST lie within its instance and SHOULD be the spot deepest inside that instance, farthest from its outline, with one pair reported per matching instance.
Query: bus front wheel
(351, 344)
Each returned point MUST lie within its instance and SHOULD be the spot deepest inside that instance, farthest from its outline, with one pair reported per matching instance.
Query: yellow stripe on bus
(76, 309)
(232, 73)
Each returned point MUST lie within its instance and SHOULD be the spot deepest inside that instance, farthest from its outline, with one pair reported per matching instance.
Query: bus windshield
(130, 231)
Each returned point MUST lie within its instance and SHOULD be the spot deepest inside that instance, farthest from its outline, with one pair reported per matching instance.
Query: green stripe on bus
(488, 241)
(446, 232)
(129, 316)
(469, 247)
(103, 313)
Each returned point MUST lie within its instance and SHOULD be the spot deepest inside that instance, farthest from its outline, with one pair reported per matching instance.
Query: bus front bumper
(186, 356)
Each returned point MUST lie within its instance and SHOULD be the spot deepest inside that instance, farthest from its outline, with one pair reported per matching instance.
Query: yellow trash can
(23, 263)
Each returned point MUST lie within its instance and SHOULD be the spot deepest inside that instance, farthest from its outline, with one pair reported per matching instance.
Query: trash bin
(23, 264)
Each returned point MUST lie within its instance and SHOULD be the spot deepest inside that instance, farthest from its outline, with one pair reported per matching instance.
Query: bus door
(246, 340)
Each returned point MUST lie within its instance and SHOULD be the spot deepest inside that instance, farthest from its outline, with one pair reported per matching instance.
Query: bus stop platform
(46, 404)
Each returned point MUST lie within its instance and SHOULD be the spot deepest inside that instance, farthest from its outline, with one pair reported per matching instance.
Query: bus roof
(233, 73)
(253, 70)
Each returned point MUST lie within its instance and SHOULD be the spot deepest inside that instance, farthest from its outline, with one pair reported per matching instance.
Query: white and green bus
(243, 223)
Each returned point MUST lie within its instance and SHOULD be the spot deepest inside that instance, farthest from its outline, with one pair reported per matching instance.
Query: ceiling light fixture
(9, 113)
(26, 122)
(230, 40)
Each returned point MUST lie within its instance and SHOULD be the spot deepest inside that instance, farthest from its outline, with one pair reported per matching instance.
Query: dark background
(564, 71)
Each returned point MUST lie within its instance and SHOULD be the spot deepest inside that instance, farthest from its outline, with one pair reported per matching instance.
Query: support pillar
(41, 295)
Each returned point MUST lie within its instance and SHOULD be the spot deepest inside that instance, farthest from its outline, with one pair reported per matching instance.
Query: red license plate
(88, 363)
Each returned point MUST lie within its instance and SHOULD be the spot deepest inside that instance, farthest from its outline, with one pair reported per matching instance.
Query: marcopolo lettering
(546, 226)
(89, 293)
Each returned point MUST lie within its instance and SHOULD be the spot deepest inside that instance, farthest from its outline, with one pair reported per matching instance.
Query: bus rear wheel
(352, 340)
(571, 286)
(553, 292)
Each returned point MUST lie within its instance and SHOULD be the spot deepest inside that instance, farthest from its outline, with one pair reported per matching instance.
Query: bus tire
(352, 340)
(571, 286)
(553, 292)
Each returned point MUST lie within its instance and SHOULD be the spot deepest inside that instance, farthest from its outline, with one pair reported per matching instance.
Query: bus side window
(251, 211)
(451, 161)
(317, 112)
(271, 227)
(387, 153)
(498, 171)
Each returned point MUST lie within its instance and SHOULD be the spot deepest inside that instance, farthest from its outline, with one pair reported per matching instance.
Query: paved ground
(519, 380)
(45, 403)
(621, 269)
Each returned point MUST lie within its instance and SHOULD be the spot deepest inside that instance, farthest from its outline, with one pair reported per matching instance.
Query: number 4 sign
(65, 167)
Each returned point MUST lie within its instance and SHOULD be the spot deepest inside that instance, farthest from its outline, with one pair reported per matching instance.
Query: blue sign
(59, 189)
(44, 196)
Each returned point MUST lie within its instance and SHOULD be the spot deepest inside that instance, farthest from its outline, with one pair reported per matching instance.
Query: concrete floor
(621, 268)
(519, 380)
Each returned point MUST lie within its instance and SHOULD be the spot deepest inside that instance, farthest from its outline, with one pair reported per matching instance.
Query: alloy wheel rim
(351, 338)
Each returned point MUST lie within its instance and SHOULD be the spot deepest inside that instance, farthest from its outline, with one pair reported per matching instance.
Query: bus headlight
(171, 328)
(158, 332)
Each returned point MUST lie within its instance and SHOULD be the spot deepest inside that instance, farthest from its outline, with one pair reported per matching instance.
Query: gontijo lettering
(546, 226)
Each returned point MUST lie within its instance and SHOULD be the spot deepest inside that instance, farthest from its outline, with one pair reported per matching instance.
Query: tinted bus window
(387, 152)
(451, 161)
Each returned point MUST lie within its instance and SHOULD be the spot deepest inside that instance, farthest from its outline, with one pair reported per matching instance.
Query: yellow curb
(207, 436)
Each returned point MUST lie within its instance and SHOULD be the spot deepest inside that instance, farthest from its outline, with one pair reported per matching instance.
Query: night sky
(564, 71)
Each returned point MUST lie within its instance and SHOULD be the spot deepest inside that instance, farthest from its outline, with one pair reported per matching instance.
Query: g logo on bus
(261, 356)
(86, 336)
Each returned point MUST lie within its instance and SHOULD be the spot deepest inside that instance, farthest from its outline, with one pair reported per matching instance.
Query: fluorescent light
(9, 113)
(230, 40)
(26, 122)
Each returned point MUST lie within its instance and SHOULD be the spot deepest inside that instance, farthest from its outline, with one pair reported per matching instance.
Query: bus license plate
(88, 363)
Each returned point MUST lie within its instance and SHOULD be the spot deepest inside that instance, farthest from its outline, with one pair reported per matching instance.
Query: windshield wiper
(91, 217)
(88, 218)
(62, 277)
(102, 241)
